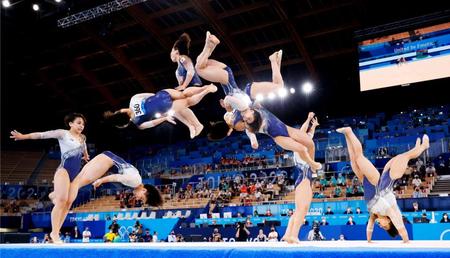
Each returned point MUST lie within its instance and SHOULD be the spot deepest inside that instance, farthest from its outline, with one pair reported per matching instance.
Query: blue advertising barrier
(356, 232)
(439, 231)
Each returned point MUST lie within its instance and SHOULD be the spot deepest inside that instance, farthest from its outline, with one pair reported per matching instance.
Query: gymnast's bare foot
(292, 240)
(279, 57)
(212, 88)
(211, 38)
(198, 129)
(344, 130)
(51, 196)
(55, 238)
(425, 142)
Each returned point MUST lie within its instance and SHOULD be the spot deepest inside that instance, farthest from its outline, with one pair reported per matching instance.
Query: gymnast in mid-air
(148, 110)
(378, 190)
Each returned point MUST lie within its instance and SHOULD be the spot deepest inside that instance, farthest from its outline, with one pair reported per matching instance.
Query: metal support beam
(296, 38)
(293, 61)
(92, 79)
(205, 10)
(140, 16)
(325, 9)
(120, 56)
(95, 12)
(243, 9)
(51, 83)
(331, 30)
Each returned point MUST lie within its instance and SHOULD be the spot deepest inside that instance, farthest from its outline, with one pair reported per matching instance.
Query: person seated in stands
(324, 222)
(337, 192)
(340, 180)
(261, 236)
(355, 191)
(270, 190)
(430, 170)
(281, 182)
(358, 210)
(199, 193)
(360, 190)
(323, 183)
(258, 196)
(290, 212)
(248, 223)
(252, 188)
(350, 221)
(258, 185)
(244, 193)
(109, 237)
(415, 206)
(155, 237)
(273, 235)
(114, 226)
(417, 193)
(247, 200)
(180, 238)
(216, 236)
(405, 220)
(46, 239)
(171, 238)
(445, 218)
(349, 191)
(314, 234)
(147, 236)
(348, 211)
(118, 195)
(268, 213)
(132, 237)
(424, 218)
(332, 182)
(329, 211)
(318, 195)
(416, 181)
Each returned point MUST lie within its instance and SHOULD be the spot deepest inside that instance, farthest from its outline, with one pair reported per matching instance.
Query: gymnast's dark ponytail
(154, 197)
(118, 119)
(183, 44)
(257, 122)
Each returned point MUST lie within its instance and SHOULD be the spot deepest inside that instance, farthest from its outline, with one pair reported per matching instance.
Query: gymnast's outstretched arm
(155, 122)
(369, 228)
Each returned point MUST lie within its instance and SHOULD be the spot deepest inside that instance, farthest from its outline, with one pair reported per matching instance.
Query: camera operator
(216, 236)
(242, 232)
(315, 234)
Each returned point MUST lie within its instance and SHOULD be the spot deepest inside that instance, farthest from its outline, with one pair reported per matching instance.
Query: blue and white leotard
(271, 125)
(384, 197)
(303, 169)
(182, 73)
(130, 175)
(145, 107)
(71, 150)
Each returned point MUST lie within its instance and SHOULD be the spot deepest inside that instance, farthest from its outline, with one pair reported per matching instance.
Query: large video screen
(403, 58)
